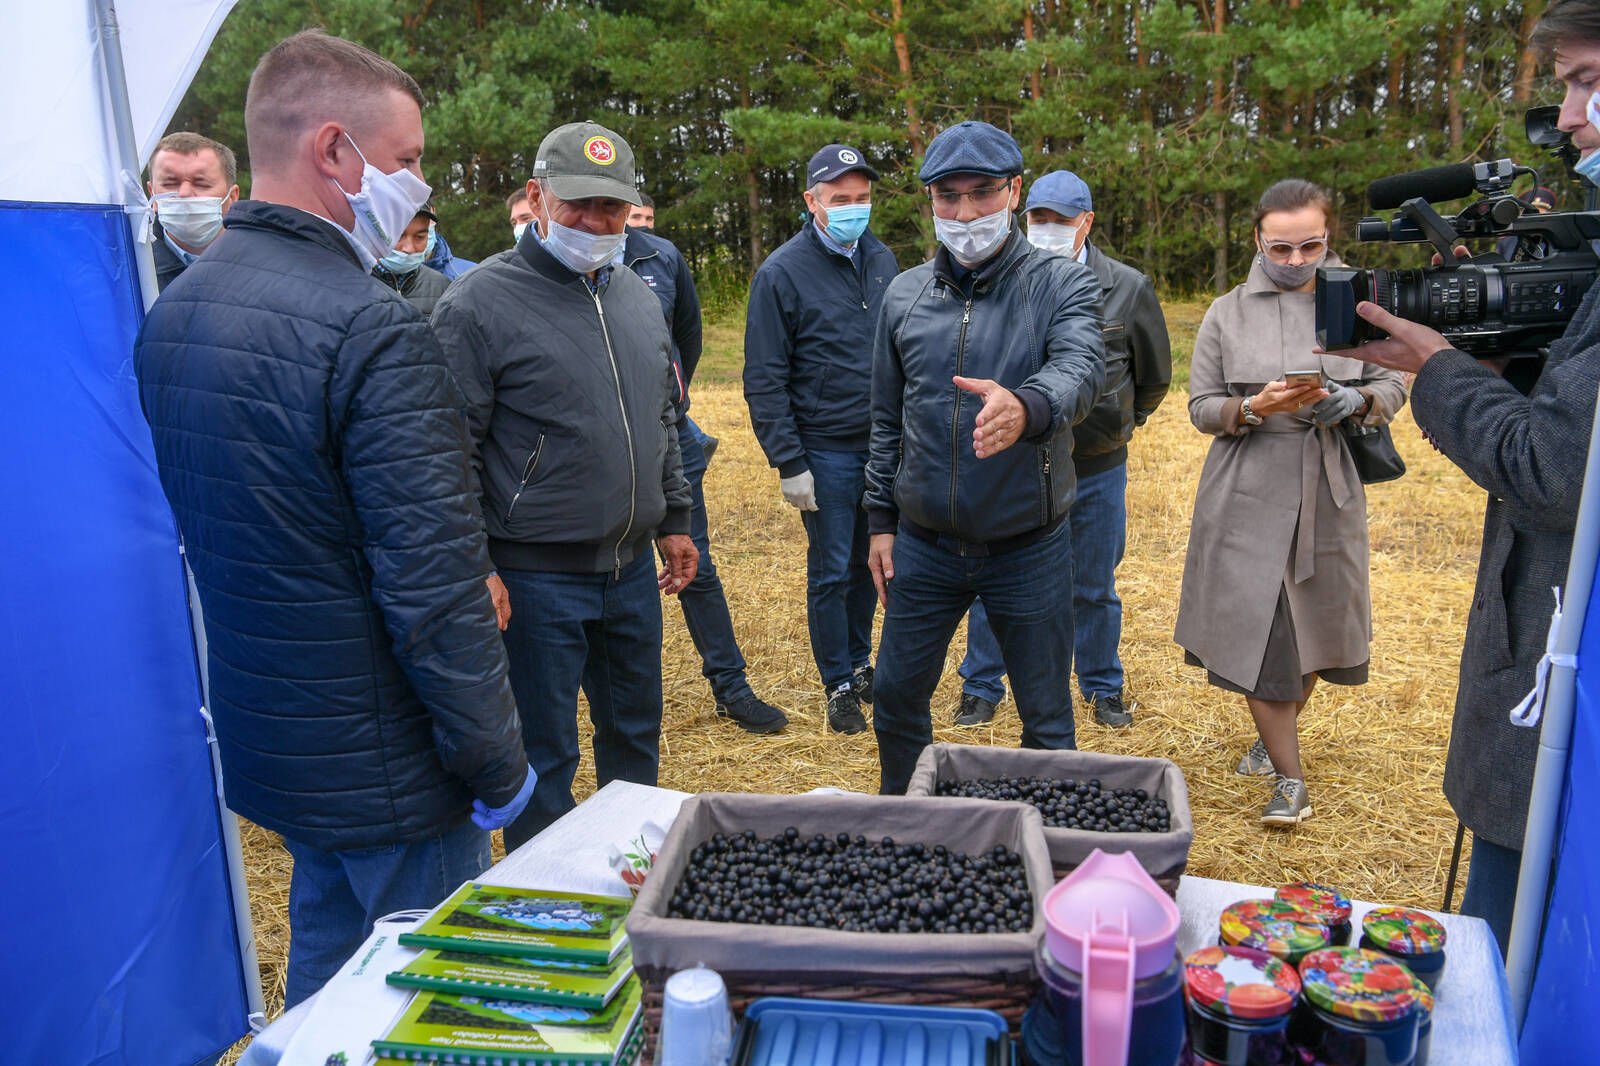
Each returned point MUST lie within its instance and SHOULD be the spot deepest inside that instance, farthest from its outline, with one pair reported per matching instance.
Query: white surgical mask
(973, 242)
(194, 221)
(518, 230)
(383, 208)
(1054, 237)
(1589, 165)
(578, 250)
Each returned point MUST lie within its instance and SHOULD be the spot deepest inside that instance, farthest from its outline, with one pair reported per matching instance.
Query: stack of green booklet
(527, 923)
(472, 1030)
(561, 982)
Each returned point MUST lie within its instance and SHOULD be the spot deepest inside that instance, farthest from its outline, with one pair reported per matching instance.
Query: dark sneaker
(861, 684)
(1109, 710)
(974, 710)
(709, 446)
(1255, 762)
(1289, 804)
(844, 711)
(753, 715)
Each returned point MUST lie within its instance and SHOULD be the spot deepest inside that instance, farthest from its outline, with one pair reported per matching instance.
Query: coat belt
(1320, 448)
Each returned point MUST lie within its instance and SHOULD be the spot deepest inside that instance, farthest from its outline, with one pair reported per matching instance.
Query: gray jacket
(421, 288)
(570, 405)
(1026, 319)
(1529, 453)
(1138, 365)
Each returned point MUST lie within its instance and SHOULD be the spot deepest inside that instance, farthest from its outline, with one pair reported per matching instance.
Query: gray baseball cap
(582, 160)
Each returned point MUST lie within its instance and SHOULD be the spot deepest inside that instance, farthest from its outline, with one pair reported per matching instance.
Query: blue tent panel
(118, 943)
(1562, 1025)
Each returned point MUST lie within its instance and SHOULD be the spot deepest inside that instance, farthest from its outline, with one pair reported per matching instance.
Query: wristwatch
(1248, 415)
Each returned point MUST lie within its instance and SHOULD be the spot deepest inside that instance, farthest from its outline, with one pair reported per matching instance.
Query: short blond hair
(309, 79)
(186, 143)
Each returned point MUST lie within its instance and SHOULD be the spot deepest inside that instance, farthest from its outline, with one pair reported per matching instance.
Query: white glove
(800, 490)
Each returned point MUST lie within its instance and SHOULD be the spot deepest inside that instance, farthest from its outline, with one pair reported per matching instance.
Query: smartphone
(1303, 377)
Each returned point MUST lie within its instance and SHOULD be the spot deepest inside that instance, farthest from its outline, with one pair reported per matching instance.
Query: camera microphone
(1434, 185)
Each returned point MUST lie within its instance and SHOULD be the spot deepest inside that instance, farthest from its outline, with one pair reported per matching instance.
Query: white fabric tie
(1531, 709)
(137, 205)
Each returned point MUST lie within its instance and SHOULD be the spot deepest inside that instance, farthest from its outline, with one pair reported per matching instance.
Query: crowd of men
(424, 500)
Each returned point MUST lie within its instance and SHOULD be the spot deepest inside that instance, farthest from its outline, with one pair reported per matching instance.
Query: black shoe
(709, 446)
(753, 715)
(844, 711)
(1108, 710)
(861, 683)
(974, 710)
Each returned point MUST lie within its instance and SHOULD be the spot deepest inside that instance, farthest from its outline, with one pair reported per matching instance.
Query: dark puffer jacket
(421, 288)
(1032, 324)
(312, 445)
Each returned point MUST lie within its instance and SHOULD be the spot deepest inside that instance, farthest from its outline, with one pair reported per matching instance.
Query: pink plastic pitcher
(1111, 925)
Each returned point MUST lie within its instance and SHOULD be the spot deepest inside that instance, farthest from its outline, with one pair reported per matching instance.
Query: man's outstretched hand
(1003, 419)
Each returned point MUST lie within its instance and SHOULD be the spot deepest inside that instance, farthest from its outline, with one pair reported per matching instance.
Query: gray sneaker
(1256, 762)
(1289, 804)
(844, 711)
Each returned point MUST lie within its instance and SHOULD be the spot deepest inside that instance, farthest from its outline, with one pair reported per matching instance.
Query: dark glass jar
(1408, 936)
(1330, 905)
(1239, 1004)
(1424, 1018)
(1052, 1030)
(1273, 926)
(1356, 1009)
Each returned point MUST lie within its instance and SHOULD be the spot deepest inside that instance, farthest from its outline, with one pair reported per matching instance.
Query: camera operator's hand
(1277, 396)
(1409, 345)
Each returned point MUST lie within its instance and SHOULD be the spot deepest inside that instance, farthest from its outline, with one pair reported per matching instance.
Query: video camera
(1485, 305)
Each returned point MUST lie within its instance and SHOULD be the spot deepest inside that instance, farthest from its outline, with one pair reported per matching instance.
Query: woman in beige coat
(1275, 581)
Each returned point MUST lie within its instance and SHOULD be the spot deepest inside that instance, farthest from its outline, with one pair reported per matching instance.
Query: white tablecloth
(1472, 1019)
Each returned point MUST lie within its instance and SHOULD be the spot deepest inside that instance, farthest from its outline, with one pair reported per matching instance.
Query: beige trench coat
(1279, 504)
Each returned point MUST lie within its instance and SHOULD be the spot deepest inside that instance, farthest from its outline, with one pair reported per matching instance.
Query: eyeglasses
(980, 196)
(1307, 249)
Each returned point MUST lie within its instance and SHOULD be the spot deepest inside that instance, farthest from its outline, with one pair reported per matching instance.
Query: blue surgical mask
(1589, 165)
(402, 263)
(846, 224)
(433, 243)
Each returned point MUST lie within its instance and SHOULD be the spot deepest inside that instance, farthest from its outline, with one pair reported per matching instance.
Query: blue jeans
(1491, 892)
(336, 896)
(599, 631)
(705, 606)
(1099, 535)
(840, 596)
(1029, 596)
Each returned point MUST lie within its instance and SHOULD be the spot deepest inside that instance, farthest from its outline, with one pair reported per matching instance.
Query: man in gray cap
(807, 371)
(984, 360)
(565, 361)
(1138, 372)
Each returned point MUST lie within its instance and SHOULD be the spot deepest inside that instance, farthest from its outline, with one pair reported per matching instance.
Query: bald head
(312, 79)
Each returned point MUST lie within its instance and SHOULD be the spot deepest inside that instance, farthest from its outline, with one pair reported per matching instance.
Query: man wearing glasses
(984, 359)
(807, 375)
(565, 362)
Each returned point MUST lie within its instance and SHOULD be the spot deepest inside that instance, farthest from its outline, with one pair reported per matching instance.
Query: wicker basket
(1163, 855)
(992, 971)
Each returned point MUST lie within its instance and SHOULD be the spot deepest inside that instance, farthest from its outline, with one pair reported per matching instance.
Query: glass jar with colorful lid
(1357, 1008)
(1239, 1004)
(1408, 936)
(1273, 926)
(1330, 905)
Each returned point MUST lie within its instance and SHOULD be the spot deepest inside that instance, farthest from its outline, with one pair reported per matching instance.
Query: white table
(1471, 1023)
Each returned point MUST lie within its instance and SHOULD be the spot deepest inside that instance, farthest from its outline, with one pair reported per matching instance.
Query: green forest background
(1176, 113)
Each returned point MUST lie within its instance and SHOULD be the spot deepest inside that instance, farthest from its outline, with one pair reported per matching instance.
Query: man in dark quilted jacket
(312, 445)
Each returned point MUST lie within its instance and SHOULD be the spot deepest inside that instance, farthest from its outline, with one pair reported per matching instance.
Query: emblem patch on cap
(600, 150)
(848, 157)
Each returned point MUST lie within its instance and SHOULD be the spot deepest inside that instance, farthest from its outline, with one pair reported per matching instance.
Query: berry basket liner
(1163, 855)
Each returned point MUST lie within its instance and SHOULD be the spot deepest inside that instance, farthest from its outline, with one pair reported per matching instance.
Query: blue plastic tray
(814, 1032)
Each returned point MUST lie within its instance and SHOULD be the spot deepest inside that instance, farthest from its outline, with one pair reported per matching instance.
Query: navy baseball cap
(971, 148)
(835, 161)
(1061, 191)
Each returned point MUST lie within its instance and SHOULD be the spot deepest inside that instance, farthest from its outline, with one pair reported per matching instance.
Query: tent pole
(116, 85)
(1555, 738)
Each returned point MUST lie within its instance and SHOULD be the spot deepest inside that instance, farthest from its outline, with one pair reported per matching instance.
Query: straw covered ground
(1374, 755)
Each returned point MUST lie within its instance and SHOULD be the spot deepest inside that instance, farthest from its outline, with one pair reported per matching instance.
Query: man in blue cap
(984, 360)
(1138, 373)
(807, 374)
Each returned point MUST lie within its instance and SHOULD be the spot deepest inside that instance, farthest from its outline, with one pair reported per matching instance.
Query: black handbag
(1374, 452)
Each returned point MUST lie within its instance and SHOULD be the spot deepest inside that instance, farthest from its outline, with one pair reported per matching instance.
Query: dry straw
(1374, 755)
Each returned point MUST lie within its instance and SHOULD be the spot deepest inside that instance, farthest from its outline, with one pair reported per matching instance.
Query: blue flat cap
(1061, 191)
(971, 148)
(835, 161)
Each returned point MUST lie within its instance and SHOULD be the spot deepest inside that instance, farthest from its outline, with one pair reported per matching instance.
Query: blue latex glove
(1341, 402)
(490, 818)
